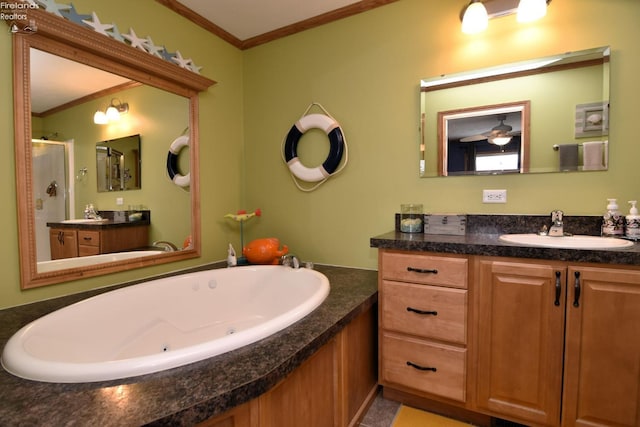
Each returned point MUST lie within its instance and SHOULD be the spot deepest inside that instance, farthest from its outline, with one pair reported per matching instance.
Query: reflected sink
(566, 242)
(84, 221)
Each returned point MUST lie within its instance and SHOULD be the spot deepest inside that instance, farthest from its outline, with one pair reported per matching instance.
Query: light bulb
(100, 118)
(112, 114)
(475, 18)
(531, 10)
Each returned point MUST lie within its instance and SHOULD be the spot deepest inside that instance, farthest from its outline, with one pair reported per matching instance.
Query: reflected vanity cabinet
(70, 242)
(423, 324)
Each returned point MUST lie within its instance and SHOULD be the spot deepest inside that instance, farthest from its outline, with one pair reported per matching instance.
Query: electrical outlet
(494, 196)
(119, 201)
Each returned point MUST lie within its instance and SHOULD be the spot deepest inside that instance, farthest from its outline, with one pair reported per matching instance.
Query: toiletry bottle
(612, 221)
(632, 221)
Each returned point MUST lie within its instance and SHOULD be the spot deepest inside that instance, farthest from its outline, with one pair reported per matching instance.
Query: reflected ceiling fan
(498, 135)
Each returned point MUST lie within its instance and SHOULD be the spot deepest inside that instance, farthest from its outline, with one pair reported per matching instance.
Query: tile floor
(381, 413)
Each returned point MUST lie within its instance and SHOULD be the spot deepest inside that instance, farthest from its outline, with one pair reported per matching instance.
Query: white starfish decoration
(153, 49)
(193, 67)
(52, 7)
(115, 34)
(182, 62)
(134, 40)
(98, 26)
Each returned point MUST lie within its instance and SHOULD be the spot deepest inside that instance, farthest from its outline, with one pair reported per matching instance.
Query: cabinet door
(602, 368)
(63, 243)
(520, 339)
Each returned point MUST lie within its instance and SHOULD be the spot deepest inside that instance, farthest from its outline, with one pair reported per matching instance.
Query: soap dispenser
(612, 221)
(632, 221)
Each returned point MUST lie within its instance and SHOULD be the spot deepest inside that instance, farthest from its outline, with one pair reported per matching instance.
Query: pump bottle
(632, 221)
(612, 221)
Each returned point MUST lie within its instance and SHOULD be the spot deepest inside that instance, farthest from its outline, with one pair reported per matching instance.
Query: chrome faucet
(90, 212)
(165, 246)
(557, 226)
(290, 260)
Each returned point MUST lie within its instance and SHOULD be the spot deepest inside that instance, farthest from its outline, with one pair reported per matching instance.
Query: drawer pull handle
(87, 238)
(422, 270)
(421, 368)
(418, 311)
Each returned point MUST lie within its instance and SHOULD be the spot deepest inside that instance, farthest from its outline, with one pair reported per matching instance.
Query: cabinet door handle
(576, 290)
(418, 311)
(421, 368)
(61, 237)
(558, 288)
(423, 270)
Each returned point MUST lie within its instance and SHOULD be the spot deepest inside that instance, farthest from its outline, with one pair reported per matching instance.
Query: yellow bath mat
(410, 417)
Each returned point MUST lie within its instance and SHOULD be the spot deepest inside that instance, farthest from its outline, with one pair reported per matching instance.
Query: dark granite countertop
(188, 394)
(483, 238)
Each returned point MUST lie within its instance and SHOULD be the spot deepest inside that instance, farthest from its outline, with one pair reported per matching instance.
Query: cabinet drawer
(427, 311)
(88, 250)
(88, 238)
(403, 358)
(432, 270)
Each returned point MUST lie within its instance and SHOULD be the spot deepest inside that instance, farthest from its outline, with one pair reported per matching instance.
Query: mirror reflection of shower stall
(52, 188)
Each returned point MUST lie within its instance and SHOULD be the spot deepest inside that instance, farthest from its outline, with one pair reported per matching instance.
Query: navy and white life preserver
(172, 162)
(336, 139)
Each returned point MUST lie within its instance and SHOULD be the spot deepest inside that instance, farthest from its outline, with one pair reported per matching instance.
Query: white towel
(592, 157)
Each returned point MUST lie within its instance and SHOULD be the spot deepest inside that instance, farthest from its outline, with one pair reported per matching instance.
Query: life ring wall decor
(337, 142)
(172, 162)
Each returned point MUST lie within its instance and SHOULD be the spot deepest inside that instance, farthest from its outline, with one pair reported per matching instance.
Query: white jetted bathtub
(163, 323)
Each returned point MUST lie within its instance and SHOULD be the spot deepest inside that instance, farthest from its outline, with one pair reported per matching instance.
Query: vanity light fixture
(475, 17)
(112, 113)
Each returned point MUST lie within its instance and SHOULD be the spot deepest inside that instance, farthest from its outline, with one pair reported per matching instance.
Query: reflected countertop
(189, 394)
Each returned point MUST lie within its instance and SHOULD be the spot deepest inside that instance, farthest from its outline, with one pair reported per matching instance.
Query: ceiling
(245, 19)
(248, 23)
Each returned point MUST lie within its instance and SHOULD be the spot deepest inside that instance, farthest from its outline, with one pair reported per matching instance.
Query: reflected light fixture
(476, 15)
(500, 140)
(112, 113)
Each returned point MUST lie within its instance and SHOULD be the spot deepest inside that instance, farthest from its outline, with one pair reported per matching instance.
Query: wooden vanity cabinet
(423, 324)
(555, 338)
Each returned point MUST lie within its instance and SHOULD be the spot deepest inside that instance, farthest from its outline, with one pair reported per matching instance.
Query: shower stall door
(51, 193)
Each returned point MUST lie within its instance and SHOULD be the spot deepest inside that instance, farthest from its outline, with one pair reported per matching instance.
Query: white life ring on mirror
(172, 162)
(336, 140)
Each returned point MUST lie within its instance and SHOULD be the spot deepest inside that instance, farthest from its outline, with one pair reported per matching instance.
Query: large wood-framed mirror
(145, 75)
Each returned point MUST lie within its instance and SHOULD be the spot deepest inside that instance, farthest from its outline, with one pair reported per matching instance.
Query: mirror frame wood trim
(61, 37)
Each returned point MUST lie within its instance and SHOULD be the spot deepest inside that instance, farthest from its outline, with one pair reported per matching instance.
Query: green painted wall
(365, 70)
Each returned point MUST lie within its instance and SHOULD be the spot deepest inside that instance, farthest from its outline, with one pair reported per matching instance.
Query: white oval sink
(84, 221)
(566, 242)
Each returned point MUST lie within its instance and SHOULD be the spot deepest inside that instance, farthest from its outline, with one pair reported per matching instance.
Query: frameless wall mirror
(58, 116)
(551, 114)
(118, 164)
